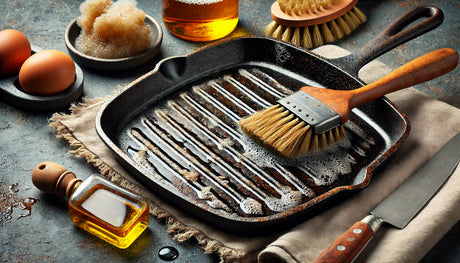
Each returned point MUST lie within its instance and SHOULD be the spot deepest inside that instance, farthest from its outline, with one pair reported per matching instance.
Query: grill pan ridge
(175, 129)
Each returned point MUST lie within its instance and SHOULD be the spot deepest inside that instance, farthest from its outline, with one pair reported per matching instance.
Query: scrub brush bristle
(303, 7)
(312, 23)
(285, 134)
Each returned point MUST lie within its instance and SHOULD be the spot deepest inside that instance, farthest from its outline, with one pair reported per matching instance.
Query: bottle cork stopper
(52, 178)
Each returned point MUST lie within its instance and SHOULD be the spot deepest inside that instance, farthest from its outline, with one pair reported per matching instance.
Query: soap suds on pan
(323, 166)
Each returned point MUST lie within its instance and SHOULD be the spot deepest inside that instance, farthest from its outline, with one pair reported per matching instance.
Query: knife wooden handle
(347, 246)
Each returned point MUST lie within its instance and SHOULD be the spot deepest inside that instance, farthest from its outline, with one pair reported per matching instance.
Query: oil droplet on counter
(9, 200)
(168, 253)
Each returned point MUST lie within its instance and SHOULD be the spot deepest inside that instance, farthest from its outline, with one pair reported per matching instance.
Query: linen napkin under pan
(433, 124)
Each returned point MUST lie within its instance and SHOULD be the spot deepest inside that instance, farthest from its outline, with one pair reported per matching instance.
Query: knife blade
(399, 207)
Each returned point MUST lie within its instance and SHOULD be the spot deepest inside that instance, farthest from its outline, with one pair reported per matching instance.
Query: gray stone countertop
(26, 139)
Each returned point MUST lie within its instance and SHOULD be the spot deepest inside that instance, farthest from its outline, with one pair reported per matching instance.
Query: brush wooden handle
(419, 70)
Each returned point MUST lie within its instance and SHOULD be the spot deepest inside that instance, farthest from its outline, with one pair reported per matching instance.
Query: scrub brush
(311, 23)
(312, 118)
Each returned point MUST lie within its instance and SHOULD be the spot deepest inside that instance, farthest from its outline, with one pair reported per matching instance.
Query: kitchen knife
(399, 207)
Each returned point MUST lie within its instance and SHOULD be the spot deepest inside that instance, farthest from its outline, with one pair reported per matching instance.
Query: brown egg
(47, 72)
(14, 50)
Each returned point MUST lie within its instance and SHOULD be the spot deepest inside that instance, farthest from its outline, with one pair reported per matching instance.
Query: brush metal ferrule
(312, 111)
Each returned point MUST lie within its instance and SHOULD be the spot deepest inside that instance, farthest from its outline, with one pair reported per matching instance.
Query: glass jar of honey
(200, 20)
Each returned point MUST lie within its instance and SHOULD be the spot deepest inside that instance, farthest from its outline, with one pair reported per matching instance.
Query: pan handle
(393, 36)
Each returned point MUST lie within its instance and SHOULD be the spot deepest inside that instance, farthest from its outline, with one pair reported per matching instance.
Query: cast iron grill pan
(176, 130)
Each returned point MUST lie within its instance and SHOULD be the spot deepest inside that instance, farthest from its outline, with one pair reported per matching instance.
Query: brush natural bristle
(280, 131)
(304, 6)
(316, 35)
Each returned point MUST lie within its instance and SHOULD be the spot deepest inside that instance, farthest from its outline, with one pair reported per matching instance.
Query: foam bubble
(286, 202)
(250, 206)
(257, 153)
(323, 166)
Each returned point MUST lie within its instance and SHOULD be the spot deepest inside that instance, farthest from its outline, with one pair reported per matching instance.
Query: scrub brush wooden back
(312, 118)
(311, 23)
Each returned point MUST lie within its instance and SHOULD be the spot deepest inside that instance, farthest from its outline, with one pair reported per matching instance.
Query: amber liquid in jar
(109, 212)
(200, 20)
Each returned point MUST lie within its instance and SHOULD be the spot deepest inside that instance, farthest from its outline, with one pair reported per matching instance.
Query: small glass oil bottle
(96, 205)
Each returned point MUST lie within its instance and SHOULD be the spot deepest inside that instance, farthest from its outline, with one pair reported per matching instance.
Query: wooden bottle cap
(54, 179)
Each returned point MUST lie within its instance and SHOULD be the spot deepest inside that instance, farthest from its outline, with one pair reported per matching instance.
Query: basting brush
(311, 23)
(312, 118)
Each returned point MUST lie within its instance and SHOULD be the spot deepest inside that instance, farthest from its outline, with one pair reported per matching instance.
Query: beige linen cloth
(433, 124)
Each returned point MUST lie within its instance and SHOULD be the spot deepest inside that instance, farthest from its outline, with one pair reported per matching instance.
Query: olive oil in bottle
(96, 205)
